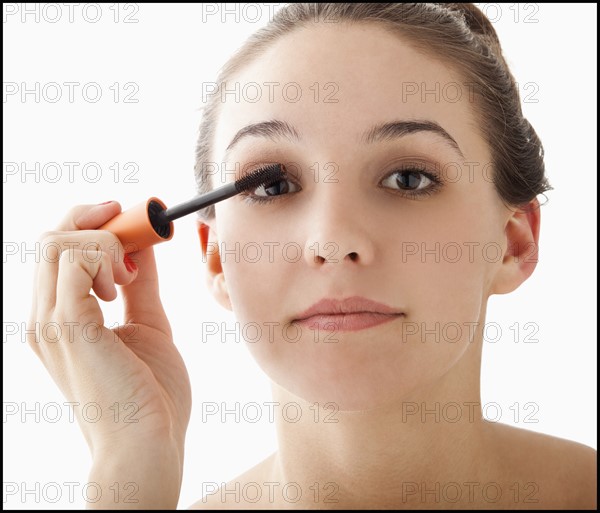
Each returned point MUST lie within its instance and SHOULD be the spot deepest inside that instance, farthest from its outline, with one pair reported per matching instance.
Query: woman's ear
(215, 278)
(521, 257)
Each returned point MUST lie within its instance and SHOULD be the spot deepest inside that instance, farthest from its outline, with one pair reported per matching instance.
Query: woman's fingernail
(129, 264)
(106, 202)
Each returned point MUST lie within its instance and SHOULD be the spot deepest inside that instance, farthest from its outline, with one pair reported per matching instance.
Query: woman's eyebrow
(382, 132)
(396, 129)
(272, 129)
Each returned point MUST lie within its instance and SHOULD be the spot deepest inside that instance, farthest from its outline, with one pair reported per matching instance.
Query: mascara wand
(151, 222)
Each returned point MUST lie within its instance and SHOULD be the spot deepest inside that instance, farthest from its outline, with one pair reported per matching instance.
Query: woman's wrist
(141, 475)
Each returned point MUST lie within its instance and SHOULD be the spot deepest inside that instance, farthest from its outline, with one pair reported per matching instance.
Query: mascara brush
(151, 222)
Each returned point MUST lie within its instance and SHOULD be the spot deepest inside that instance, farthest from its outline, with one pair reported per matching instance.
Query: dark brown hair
(461, 35)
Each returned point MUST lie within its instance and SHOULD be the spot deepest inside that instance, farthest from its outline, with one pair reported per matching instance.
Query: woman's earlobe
(220, 291)
(521, 256)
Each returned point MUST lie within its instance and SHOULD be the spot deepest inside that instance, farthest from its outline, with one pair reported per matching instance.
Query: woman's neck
(390, 455)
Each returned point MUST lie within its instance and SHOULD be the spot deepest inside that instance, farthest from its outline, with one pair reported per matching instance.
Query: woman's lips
(349, 314)
(347, 322)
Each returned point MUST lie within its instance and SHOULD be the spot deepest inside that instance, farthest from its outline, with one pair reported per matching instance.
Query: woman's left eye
(413, 182)
(276, 188)
(270, 191)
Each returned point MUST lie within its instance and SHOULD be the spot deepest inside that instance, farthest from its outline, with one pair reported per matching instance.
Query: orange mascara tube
(151, 222)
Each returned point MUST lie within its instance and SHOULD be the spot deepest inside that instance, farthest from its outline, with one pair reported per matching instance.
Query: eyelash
(435, 185)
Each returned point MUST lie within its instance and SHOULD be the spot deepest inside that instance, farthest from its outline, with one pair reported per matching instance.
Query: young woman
(411, 199)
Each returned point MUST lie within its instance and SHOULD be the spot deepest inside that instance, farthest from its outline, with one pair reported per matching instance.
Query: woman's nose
(338, 231)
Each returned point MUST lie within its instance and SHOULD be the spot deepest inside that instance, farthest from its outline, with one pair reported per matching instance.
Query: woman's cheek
(259, 280)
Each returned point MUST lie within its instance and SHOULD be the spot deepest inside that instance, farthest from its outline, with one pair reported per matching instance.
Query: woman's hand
(129, 383)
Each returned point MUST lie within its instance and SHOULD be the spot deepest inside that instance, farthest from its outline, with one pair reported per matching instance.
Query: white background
(170, 52)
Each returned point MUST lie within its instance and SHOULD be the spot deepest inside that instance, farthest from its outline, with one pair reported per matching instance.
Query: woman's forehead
(339, 81)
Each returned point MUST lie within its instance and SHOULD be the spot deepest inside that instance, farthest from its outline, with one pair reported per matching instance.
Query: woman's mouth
(346, 321)
(349, 314)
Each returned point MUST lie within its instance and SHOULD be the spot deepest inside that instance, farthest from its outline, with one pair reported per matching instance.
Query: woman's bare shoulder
(235, 493)
(555, 471)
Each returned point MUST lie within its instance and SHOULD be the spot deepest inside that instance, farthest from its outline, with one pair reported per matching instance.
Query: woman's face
(428, 251)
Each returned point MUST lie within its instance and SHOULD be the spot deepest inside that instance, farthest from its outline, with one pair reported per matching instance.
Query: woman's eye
(275, 188)
(270, 191)
(407, 180)
(412, 181)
